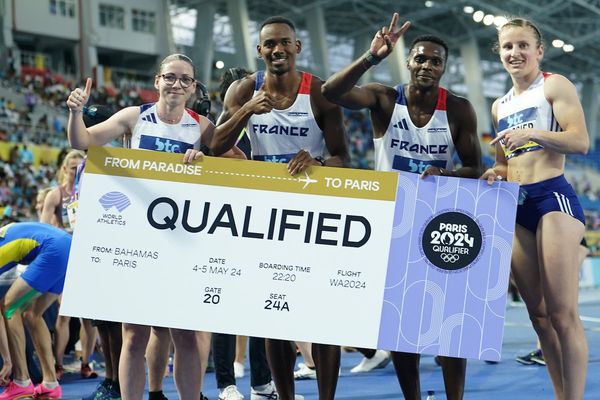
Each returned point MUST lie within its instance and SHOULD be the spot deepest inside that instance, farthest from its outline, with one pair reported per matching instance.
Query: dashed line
(250, 175)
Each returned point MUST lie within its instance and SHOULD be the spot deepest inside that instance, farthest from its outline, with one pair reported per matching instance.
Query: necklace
(168, 120)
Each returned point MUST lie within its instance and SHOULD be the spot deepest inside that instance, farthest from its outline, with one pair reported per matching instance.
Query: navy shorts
(541, 198)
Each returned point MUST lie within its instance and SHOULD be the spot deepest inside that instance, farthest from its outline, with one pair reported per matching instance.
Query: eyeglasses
(185, 80)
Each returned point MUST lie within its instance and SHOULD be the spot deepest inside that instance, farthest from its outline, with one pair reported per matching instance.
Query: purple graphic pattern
(114, 199)
(453, 313)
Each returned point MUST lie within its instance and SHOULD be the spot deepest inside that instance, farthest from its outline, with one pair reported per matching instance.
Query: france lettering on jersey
(150, 133)
(406, 147)
(277, 136)
(529, 110)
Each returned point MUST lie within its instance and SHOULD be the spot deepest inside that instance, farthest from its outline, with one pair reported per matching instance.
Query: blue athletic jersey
(21, 243)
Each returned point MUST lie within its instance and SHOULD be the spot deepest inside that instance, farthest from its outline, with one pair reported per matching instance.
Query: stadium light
(567, 48)
(429, 4)
(478, 16)
(468, 10)
(488, 19)
(558, 43)
(219, 64)
(500, 21)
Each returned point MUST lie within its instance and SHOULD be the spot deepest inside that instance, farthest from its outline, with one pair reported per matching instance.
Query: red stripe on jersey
(193, 114)
(547, 75)
(441, 102)
(305, 83)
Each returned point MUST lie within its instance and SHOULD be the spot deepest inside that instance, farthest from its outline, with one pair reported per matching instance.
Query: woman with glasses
(168, 126)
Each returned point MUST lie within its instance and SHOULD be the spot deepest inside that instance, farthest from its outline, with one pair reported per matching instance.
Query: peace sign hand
(79, 97)
(385, 39)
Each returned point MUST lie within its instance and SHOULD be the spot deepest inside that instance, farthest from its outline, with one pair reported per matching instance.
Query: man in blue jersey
(45, 249)
(287, 120)
(417, 127)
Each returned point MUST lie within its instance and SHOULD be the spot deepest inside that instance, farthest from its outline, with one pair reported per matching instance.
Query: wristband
(371, 58)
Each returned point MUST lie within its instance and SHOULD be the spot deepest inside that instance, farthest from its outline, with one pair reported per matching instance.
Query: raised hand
(79, 97)
(385, 39)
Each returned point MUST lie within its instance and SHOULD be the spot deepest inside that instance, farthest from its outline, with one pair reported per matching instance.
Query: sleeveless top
(529, 110)
(278, 135)
(150, 133)
(406, 147)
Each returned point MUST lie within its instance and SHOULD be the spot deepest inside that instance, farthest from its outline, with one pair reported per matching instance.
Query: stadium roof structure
(573, 24)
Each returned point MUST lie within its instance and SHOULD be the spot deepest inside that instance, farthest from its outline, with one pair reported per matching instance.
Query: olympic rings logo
(451, 258)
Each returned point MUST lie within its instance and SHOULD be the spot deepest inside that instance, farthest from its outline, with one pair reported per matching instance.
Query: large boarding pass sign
(361, 258)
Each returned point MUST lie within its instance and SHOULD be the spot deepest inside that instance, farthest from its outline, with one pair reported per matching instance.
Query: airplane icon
(307, 181)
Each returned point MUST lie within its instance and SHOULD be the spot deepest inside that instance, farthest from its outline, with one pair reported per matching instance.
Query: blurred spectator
(25, 156)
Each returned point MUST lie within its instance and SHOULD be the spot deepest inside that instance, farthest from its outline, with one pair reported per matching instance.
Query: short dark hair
(278, 19)
(432, 39)
(230, 76)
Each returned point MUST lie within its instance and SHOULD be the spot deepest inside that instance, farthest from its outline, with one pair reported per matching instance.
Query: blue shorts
(541, 198)
(46, 273)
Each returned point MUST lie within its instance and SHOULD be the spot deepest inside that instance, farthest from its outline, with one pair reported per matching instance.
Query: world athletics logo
(117, 200)
(114, 199)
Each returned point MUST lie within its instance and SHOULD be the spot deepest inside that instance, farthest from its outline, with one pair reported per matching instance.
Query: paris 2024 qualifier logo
(451, 240)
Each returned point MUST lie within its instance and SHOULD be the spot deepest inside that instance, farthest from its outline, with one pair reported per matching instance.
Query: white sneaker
(238, 370)
(230, 393)
(379, 360)
(269, 393)
(304, 372)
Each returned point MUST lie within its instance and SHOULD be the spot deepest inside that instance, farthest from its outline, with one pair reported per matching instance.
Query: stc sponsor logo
(519, 120)
(415, 166)
(274, 158)
(264, 129)
(165, 145)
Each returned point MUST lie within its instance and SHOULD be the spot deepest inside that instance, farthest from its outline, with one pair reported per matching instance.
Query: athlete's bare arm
(82, 138)
(466, 140)
(500, 169)
(208, 129)
(329, 118)
(51, 207)
(238, 107)
(574, 139)
(341, 87)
